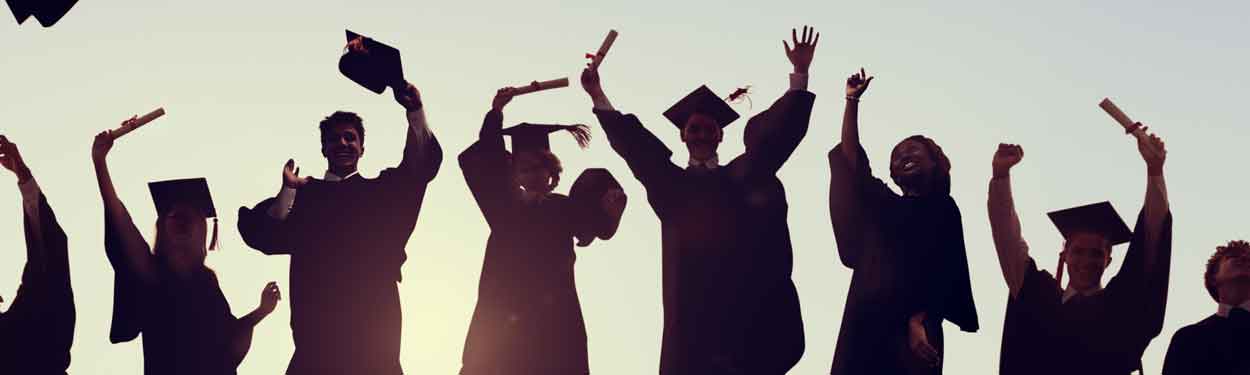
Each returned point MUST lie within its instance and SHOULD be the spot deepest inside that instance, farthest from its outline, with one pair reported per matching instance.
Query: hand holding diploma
(136, 121)
(597, 57)
(1149, 145)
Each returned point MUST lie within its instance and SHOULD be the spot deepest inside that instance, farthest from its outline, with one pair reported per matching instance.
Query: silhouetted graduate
(528, 319)
(1219, 344)
(712, 284)
(1083, 328)
(38, 329)
(48, 12)
(346, 236)
(906, 250)
(166, 292)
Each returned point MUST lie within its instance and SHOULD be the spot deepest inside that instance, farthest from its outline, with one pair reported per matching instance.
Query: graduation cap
(1097, 218)
(48, 12)
(535, 137)
(587, 192)
(191, 191)
(371, 64)
(702, 101)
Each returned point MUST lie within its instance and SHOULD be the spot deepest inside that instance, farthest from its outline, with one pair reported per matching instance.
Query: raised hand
(104, 143)
(614, 202)
(11, 159)
(1152, 149)
(857, 83)
(408, 96)
(290, 176)
(502, 98)
(804, 49)
(1007, 156)
(590, 82)
(269, 297)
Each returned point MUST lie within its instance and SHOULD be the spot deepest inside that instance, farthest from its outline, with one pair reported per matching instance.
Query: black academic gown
(1102, 334)
(186, 324)
(38, 329)
(346, 241)
(528, 319)
(1216, 345)
(711, 282)
(908, 256)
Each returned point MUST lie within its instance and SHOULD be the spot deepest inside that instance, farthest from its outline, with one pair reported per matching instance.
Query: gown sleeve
(854, 198)
(485, 168)
(646, 155)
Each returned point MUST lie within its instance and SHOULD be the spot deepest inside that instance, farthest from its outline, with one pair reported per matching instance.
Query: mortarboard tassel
(580, 132)
(1059, 272)
(213, 244)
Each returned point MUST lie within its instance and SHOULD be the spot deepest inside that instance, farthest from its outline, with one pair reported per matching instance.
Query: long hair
(941, 178)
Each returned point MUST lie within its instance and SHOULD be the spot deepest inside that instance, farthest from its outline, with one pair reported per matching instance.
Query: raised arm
(1155, 209)
(783, 125)
(242, 342)
(855, 87)
(645, 154)
(422, 153)
(1013, 251)
(485, 164)
(133, 252)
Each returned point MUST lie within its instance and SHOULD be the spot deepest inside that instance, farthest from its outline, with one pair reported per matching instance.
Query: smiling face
(181, 236)
(1232, 267)
(342, 145)
(1087, 256)
(702, 136)
(911, 164)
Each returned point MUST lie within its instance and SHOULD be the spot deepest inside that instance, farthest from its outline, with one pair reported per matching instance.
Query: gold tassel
(213, 245)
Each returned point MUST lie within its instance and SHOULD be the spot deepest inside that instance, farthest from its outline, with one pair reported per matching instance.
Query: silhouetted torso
(908, 256)
(346, 241)
(38, 329)
(1104, 333)
(1215, 345)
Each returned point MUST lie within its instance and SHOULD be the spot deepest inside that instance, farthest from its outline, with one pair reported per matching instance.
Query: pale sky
(245, 82)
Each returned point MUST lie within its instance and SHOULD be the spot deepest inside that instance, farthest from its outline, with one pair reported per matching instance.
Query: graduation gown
(711, 282)
(1101, 334)
(346, 241)
(186, 324)
(38, 329)
(908, 256)
(528, 319)
(1215, 345)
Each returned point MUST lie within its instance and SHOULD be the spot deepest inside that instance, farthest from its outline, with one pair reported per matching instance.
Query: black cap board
(587, 192)
(702, 101)
(373, 65)
(535, 137)
(192, 191)
(1097, 218)
(48, 12)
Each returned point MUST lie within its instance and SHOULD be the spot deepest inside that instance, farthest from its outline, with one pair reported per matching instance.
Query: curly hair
(342, 117)
(547, 159)
(1235, 247)
(942, 171)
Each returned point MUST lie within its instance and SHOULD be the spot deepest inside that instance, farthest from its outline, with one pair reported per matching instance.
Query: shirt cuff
(282, 205)
(602, 103)
(798, 81)
(30, 197)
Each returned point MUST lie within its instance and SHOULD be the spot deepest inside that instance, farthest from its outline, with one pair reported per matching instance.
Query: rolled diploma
(142, 120)
(540, 86)
(603, 49)
(1117, 114)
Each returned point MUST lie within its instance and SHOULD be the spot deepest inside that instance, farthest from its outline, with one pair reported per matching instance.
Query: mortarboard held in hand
(1097, 218)
(701, 101)
(192, 192)
(588, 192)
(48, 12)
(371, 64)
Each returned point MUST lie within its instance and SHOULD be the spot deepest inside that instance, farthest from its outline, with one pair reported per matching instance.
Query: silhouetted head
(1087, 255)
(1228, 268)
(919, 167)
(342, 142)
(181, 237)
(702, 136)
(536, 171)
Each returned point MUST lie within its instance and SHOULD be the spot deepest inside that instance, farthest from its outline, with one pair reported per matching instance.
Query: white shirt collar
(711, 163)
(331, 177)
(1224, 309)
(1071, 292)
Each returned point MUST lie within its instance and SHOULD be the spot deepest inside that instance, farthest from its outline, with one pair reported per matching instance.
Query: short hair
(1213, 264)
(342, 117)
